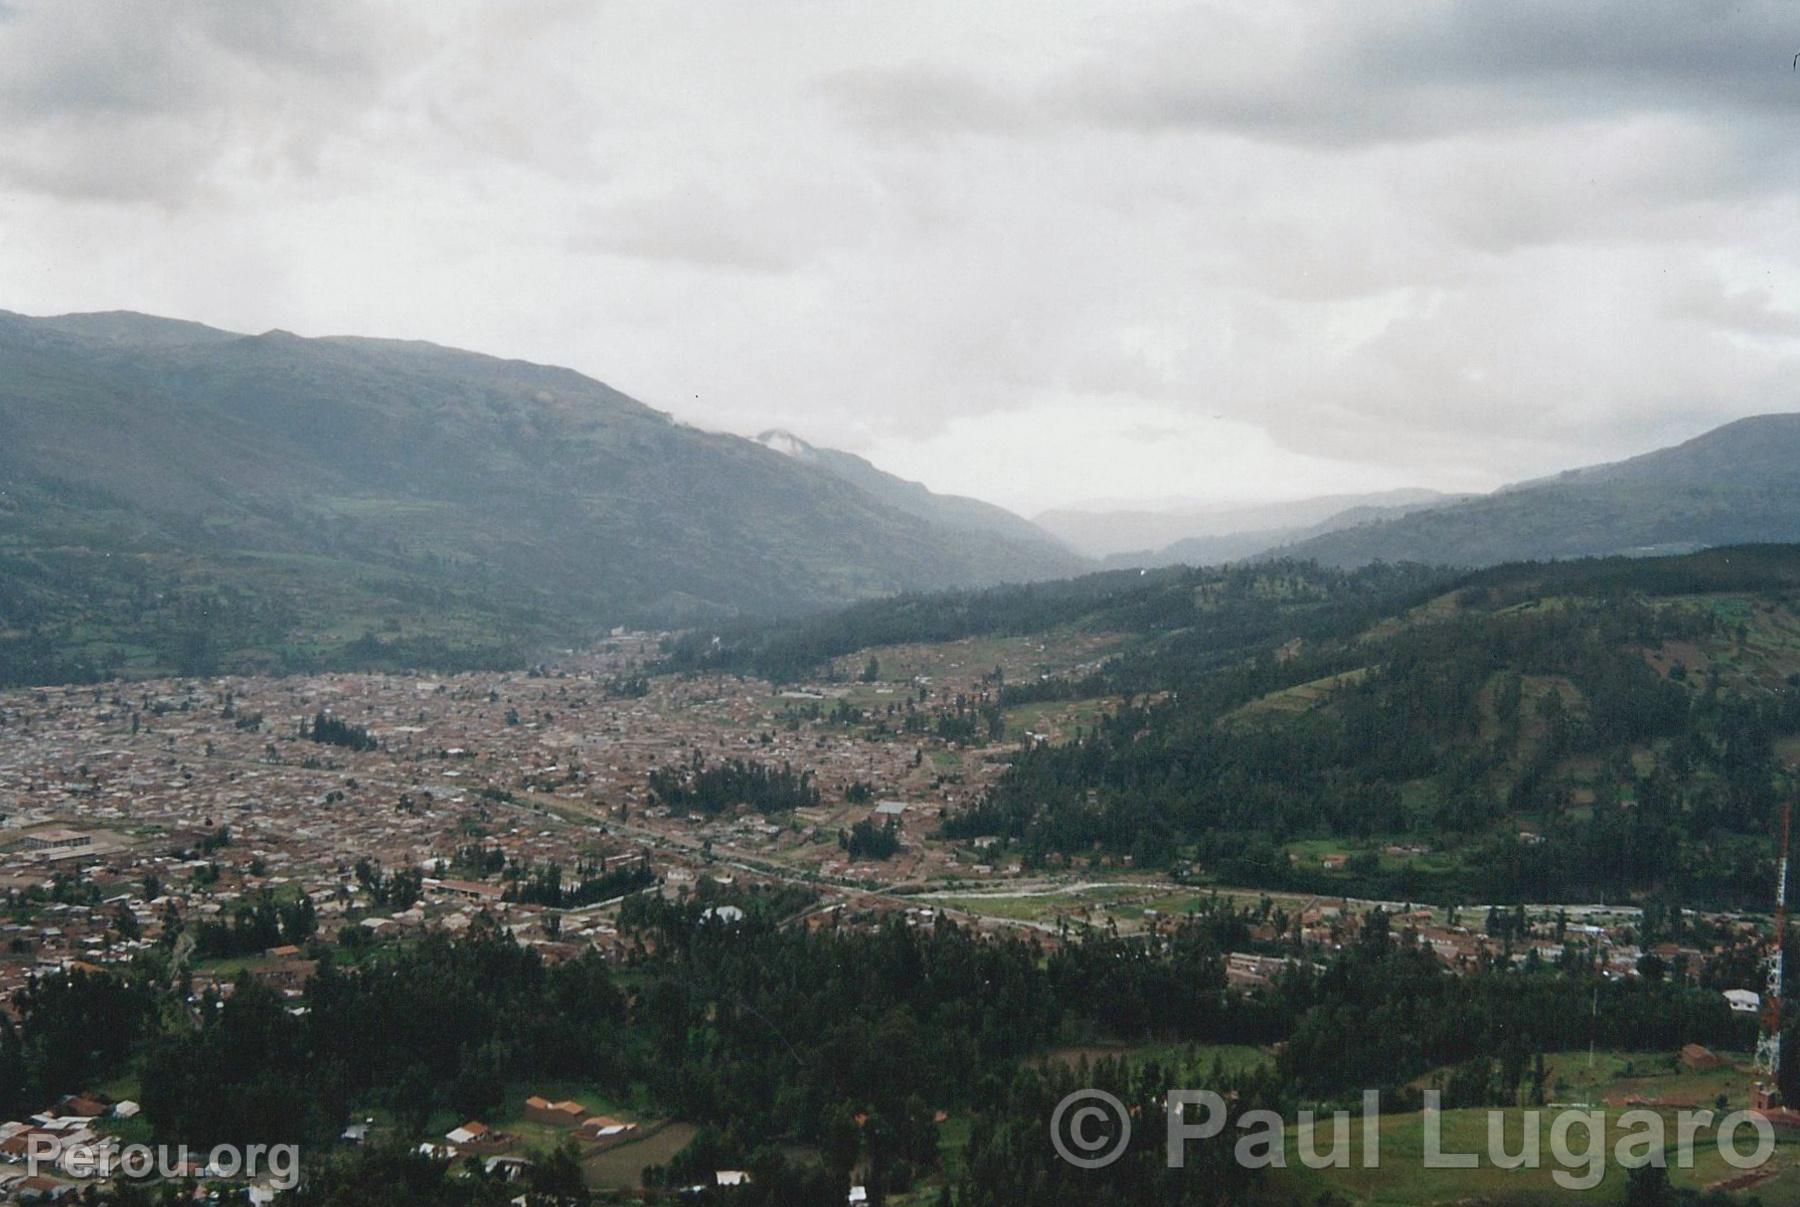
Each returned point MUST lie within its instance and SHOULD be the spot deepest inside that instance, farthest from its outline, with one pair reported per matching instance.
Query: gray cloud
(120, 101)
(925, 100)
(1391, 72)
(1040, 253)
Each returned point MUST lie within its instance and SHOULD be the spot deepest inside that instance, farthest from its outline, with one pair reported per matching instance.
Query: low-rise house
(567, 1113)
(57, 838)
(604, 1129)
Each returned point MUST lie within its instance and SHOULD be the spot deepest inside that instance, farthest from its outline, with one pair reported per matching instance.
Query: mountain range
(176, 495)
(1346, 511)
(1737, 484)
(1199, 534)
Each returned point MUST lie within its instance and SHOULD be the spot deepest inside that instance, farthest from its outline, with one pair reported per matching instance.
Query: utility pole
(1593, 1025)
(1767, 1093)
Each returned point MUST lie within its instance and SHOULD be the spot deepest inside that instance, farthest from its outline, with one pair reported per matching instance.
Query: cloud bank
(1038, 253)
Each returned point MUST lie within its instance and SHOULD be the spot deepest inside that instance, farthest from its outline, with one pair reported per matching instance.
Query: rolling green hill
(178, 497)
(1569, 730)
(1574, 730)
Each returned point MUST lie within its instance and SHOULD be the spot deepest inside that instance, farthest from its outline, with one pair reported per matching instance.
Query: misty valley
(1023, 604)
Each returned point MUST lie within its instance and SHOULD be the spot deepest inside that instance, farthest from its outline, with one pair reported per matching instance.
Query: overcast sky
(1040, 253)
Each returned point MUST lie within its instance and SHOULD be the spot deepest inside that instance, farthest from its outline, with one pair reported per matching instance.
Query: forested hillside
(1569, 731)
(1565, 730)
(1198, 617)
(177, 498)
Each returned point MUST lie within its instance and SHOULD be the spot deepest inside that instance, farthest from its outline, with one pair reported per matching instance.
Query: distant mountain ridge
(1242, 546)
(951, 511)
(177, 497)
(1140, 536)
(1737, 484)
(166, 486)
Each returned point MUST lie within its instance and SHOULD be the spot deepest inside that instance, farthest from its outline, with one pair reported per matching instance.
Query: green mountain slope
(173, 495)
(1580, 730)
(1573, 730)
(1739, 483)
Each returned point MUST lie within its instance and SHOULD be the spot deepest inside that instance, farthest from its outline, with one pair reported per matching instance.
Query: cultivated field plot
(1402, 1177)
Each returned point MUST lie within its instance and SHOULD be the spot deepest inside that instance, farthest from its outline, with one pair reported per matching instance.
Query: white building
(1743, 1001)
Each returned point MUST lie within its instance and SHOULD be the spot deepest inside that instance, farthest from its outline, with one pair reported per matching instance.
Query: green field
(1056, 718)
(1612, 1083)
(623, 1167)
(1402, 1177)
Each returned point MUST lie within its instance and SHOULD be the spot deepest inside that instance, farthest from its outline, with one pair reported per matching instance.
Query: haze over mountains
(1208, 535)
(169, 485)
(956, 512)
(173, 495)
(1737, 484)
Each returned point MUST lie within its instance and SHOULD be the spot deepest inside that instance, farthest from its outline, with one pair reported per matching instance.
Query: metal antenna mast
(1768, 1039)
